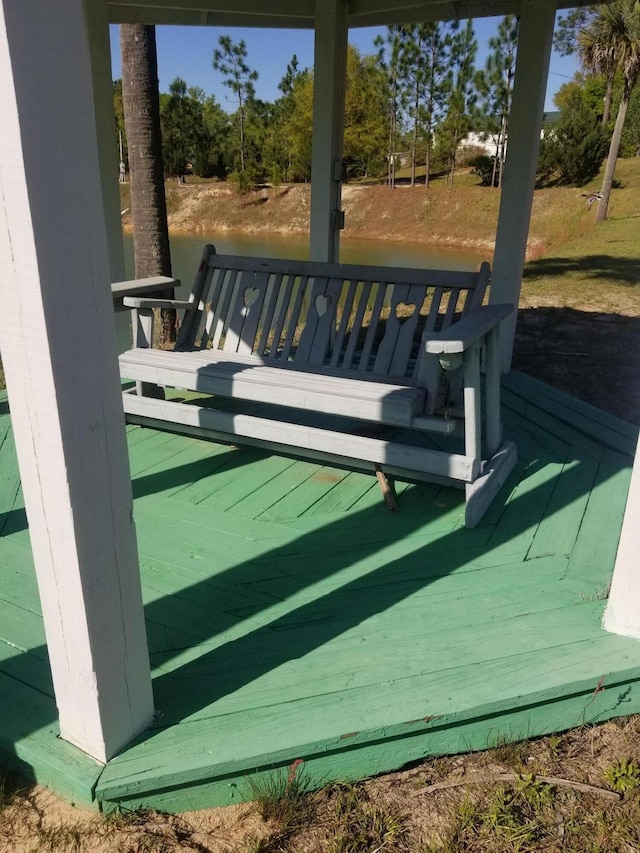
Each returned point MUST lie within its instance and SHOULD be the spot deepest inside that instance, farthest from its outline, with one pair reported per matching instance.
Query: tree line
(411, 102)
(418, 95)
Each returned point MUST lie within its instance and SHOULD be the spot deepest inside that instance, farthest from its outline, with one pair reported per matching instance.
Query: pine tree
(461, 106)
(425, 81)
(389, 60)
(496, 87)
(230, 60)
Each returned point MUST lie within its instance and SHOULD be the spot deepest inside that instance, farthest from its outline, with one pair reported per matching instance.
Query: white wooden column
(329, 75)
(100, 50)
(622, 615)
(532, 68)
(57, 339)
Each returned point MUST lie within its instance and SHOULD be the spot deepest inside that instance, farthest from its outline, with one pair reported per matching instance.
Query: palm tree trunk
(142, 125)
(614, 147)
(606, 110)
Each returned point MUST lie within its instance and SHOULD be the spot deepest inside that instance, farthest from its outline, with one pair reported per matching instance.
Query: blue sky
(187, 52)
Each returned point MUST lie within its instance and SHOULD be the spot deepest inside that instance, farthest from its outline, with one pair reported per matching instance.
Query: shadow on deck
(290, 616)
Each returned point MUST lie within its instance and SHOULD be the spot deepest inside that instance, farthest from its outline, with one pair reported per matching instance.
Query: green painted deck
(290, 616)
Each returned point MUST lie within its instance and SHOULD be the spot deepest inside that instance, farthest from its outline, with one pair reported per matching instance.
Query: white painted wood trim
(201, 431)
(341, 447)
(493, 428)
(330, 60)
(472, 407)
(140, 286)
(58, 346)
(121, 289)
(537, 19)
(468, 331)
(466, 279)
(312, 391)
(480, 494)
(622, 615)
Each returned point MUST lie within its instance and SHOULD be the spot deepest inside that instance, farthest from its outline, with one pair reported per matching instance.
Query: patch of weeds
(8, 790)
(282, 797)
(361, 826)
(274, 842)
(505, 819)
(623, 776)
(121, 818)
(600, 595)
(510, 816)
(147, 831)
(468, 813)
(464, 825)
(58, 838)
(554, 743)
(537, 794)
(437, 770)
(509, 753)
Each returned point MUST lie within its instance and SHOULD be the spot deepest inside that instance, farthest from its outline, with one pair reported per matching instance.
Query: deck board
(289, 615)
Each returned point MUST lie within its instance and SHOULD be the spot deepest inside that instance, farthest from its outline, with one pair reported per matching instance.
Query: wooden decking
(291, 617)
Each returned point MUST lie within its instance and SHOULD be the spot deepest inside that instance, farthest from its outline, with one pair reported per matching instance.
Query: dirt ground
(594, 355)
(575, 792)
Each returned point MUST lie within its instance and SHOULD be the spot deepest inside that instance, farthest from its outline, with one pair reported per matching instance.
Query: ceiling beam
(300, 14)
(248, 13)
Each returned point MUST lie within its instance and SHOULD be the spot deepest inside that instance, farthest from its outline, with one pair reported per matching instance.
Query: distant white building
(487, 143)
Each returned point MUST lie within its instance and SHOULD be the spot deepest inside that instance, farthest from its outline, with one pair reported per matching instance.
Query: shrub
(572, 151)
(483, 166)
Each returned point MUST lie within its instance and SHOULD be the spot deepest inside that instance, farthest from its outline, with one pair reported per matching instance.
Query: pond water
(186, 250)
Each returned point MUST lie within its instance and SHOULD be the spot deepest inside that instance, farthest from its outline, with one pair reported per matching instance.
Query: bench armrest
(148, 302)
(140, 286)
(468, 331)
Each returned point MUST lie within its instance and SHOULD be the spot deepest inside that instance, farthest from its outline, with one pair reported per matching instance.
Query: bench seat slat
(395, 405)
(339, 446)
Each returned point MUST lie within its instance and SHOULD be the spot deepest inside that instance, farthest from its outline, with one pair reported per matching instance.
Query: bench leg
(388, 491)
(148, 389)
(142, 328)
(483, 490)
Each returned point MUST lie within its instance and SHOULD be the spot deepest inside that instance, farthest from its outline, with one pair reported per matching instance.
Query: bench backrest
(365, 319)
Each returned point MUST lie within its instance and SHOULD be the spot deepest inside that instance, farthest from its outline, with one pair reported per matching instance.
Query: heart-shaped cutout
(250, 295)
(322, 304)
(405, 311)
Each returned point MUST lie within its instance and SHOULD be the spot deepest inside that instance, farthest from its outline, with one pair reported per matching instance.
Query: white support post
(535, 40)
(622, 615)
(472, 407)
(97, 13)
(330, 60)
(58, 348)
(492, 393)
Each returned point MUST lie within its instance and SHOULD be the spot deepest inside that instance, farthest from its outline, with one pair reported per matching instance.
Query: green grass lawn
(595, 266)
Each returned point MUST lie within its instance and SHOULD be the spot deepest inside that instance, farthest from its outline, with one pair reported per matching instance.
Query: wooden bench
(351, 365)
